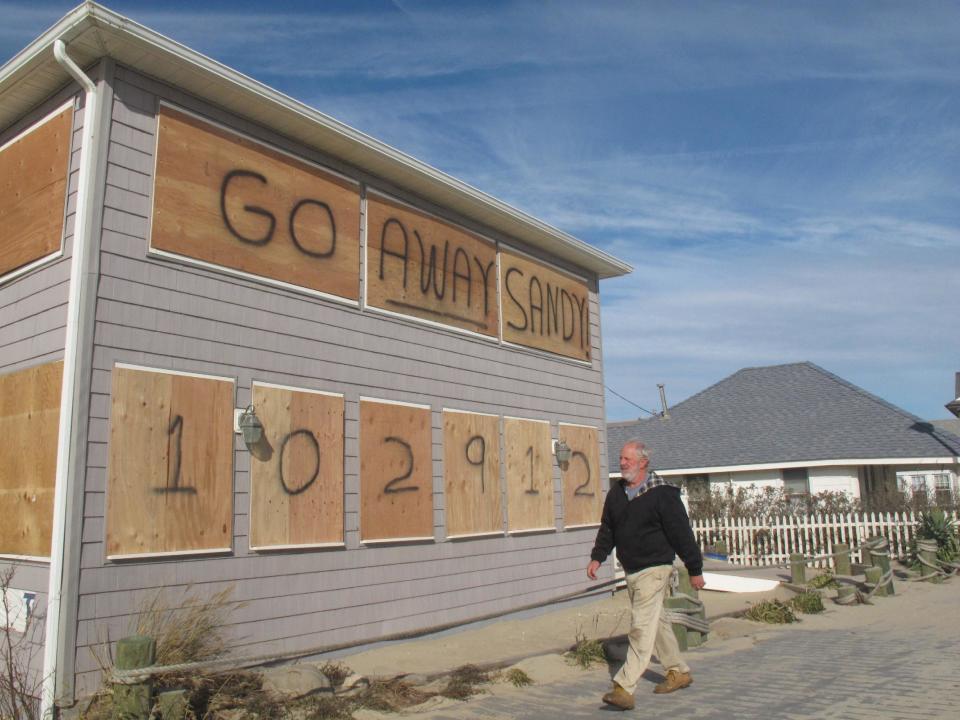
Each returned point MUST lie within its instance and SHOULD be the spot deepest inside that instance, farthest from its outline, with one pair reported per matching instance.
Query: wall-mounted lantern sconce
(563, 453)
(251, 427)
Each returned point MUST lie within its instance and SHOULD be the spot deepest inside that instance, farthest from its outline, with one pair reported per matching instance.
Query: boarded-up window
(529, 475)
(422, 266)
(544, 308)
(224, 199)
(29, 423)
(471, 471)
(33, 191)
(396, 472)
(296, 471)
(582, 494)
(170, 476)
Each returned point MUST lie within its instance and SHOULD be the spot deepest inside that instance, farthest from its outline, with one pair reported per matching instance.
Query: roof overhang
(91, 32)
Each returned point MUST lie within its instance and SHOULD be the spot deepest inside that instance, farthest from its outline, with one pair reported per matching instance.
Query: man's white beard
(629, 476)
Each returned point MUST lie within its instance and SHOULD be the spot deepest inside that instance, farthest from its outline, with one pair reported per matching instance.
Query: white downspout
(78, 261)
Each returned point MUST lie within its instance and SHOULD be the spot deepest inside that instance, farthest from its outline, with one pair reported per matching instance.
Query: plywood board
(296, 473)
(471, 473)
(29, 427)
(170, 467)
(422, 266)
(224, 199)
(582, 494)
(529, 473)
(33, 191)
(544, 308)
(396, 472)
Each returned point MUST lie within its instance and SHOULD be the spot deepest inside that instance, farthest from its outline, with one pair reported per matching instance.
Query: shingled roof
(793, 414)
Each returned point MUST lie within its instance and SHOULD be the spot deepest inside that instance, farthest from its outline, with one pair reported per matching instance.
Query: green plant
(771, 611)
(935, 525)
(586, 652)
(807, 602)
(517, 677)
(824, 580)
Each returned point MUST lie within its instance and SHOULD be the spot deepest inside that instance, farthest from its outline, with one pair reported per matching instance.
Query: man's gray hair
(640, 446)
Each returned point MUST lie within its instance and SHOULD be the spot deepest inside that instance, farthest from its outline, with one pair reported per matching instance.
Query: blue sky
(784, 177)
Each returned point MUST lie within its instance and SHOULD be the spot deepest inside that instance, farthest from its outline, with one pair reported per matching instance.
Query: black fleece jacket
(647, 530)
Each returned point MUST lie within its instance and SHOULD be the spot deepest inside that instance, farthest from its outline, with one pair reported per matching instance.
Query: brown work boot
(619, 698)
(675, 680)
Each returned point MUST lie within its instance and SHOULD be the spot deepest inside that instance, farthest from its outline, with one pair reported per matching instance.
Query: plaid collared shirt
(652, 481)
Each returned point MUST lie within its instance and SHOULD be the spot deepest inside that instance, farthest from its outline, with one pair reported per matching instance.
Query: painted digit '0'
(579, 489)
(389, 487)
(478, 439)
(316, 469)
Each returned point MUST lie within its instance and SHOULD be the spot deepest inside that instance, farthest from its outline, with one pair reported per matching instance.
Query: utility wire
(654, 414)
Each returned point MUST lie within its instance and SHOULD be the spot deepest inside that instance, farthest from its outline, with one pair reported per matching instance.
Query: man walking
(644, 518)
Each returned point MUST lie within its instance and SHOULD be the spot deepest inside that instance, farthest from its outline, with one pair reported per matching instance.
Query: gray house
(244, 345)
(795, 426)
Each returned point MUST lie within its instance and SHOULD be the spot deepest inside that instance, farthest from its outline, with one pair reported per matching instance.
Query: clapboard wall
(156, 313)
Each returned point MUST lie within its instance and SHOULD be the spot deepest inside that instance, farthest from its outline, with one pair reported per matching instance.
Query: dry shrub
(335, 672)
(463, 682)
(391, 695)
(19, 685)
(188, 631)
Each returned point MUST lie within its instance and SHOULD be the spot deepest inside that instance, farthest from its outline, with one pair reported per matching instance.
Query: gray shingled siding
(160, 314)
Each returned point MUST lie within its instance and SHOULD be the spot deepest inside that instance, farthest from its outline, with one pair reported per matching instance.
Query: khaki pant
(649, 629)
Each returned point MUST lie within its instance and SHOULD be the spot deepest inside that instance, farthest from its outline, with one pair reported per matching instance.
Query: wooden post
(798, 569)
(928, 552)
(873, 575)
(694, 637)
(866, 556)
(882, 561)
(845, 595)
(173, 704)
(674, 603)
(841, 559)
(132, 702)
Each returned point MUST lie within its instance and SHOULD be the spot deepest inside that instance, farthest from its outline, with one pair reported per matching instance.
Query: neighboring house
(181, 243)
(795, 426)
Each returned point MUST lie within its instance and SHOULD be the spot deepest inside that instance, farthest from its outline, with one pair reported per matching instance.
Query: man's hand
(594, 566)
(697, 582)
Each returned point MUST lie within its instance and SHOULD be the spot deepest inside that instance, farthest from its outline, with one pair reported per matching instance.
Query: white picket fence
(770, 541)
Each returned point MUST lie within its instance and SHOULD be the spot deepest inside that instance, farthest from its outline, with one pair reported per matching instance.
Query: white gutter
(78, 260)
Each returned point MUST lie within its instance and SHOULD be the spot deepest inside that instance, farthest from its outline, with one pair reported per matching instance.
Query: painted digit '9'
(478, 440)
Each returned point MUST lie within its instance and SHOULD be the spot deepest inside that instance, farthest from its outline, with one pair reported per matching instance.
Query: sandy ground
(550, 630)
